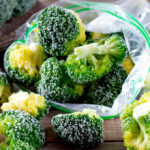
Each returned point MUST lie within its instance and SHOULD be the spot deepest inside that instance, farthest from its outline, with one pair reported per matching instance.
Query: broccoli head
(34, 104)
(106, 90)
(92, 61)
(23, 62)
(23, 6)
(5, 88)
(6, 10)
(82, 129)
(17, 125)
(55, 83)
(60, 30)
(136, 124)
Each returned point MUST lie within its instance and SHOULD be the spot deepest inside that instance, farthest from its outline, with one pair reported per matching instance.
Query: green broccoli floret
(136, 124)
(32, 103)
(91, 62)
(106, 90)
(23, 6)
(81, 129)
(17, 125)
(60, 30)
(22, 62)
(5, 88)
(55, 83)
(6, 10)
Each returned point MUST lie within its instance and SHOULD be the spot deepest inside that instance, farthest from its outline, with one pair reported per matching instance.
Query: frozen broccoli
(34, 104)
(6, 10)
(60, 30)
(17, 125)
(92, 61)
(55, 83)
(23, 62)
(106, 90)
(135, 121)
(23, 6)
(82, 129)
(5, 88)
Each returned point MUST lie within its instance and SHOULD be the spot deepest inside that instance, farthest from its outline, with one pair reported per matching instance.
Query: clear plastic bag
(105, 18)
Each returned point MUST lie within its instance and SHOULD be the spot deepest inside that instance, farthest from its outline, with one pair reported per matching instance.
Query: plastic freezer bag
(104, 18)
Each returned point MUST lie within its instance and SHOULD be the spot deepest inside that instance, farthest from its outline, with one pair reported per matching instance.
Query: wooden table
(112, 128)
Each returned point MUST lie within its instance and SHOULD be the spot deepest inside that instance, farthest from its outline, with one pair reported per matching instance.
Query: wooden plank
(112, 128)
(104, 146)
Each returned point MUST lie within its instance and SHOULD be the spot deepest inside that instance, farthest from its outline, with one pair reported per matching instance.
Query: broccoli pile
(106, 90)
(60, 30)
(23, 6)
(55, 83)
(34, 104)
(92, 61)
(21, 129)
(5, 88)
(22, 62)
(81, 129)
(136, 124)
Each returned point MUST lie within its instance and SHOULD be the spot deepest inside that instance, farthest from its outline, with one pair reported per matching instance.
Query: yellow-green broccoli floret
(34, 104)
(136, 124)
(60, 30)
(92, 61)
(55, 83)
(81, 129)
(17, 126)
(5, 88)
(23, 62)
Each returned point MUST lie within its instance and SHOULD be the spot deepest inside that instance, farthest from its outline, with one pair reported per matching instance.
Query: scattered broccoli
(5, 88)
(91, 62)
(23, 6)
(6, 10)
(106, 90)
(82, 129)
(128, 64)
(60, 30)
(17, 125)
(34, 104)
(23, 62)
(136, 124)
(55, 83)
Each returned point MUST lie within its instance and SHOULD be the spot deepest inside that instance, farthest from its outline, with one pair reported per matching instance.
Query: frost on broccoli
(60, 30)
(23, 62)
(34, 104)
(92, 61)
(17, 125)
(6, 10)
(136, 124)
(106, 90)
(81, 129)
(23, 6)
(55, 83)
(5, 88)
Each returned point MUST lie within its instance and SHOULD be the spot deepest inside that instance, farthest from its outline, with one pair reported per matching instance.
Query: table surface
(112, 128)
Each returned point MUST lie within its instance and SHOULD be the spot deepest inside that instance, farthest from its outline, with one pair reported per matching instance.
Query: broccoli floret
(5, 88)
(60, 30)
(128, 64)
(106, 90)
(34, 104)
(6, 10)
(23, 6)
(82, 129)
(92, 61)
(55, 83)
(17, 125)
(23, 62)
(136, 124)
